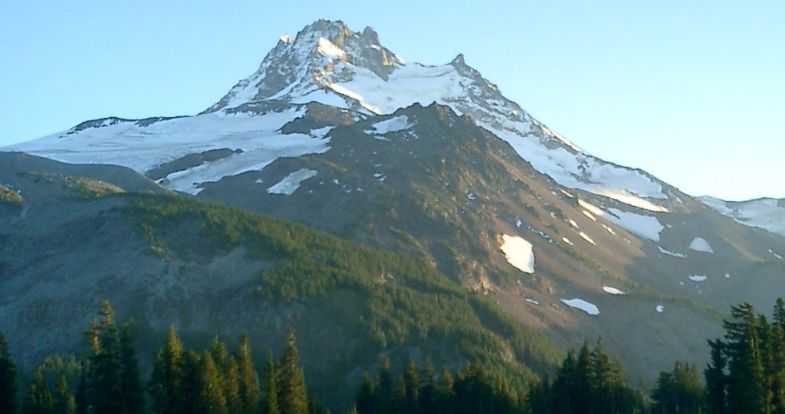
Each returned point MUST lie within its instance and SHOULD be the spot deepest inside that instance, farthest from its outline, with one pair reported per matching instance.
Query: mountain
(163, 259)
(338, 132)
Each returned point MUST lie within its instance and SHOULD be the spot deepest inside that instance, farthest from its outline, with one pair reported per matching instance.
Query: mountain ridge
(436, 162)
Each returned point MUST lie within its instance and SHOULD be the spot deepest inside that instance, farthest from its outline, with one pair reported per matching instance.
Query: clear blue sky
(693, 92)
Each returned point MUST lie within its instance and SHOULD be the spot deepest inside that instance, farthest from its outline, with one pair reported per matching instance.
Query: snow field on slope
(570, 168)
(414, 83)
(583, 305)
(645, 226)
(142, 148)
(764, 213)
(289, 184)
(519, 253)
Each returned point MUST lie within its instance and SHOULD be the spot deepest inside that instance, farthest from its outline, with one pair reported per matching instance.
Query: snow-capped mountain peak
(300, 69)
(331, 64)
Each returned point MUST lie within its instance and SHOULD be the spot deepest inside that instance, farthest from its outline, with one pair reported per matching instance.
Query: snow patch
(291, 182)
(519, 253)
(612, 290)
(329, 49)
(398, 123)
(701, 245)
(583, 305)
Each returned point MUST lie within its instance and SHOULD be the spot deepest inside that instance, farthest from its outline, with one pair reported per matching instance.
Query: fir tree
(678, 391)
(746, 384)
(538, 399)
(292, 394)
(716, 380)
(582, 392)
(231, 378)
(445, 392)
(104, 389)
(210, 397)
(366, 396)
(428, 399)
(411, 381)
(190, 398)
(7, 379)
(563, 386)
(64, 401)
(777, 369)
(131, 389)
(165, 383)
(270, 388)
(384, 400)
(38, 399)
(248, 380)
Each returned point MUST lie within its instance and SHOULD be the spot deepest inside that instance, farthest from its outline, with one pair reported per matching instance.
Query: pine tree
(292, 394)
(248, 380)
(270, 388)
(538, 399)
(678, 391)
(38, 399)
(716, 379)
(366, 396)
(445, 392)
(428, 388)
(384, 404)
(604, 381)
(190, 390)
(746, 385)
(104, 390)
(563, 387)
(777, 369)
(582, 390)
(165, 383)
(411, 381)
(231, 375)
(64, 401)
(7, 379)
(399, 395)
(211, 398)
(131, 389)
(779, 313)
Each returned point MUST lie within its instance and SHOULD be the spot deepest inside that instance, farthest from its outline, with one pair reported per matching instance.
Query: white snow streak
(289, 184)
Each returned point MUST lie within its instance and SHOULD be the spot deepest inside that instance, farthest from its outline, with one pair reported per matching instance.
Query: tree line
(108, 380)
(746, 375)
